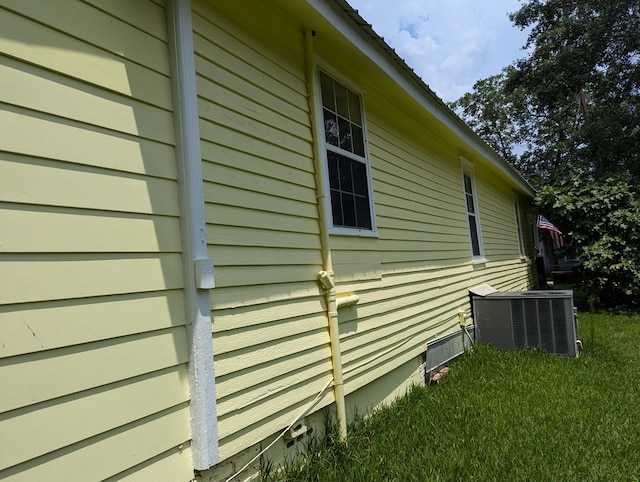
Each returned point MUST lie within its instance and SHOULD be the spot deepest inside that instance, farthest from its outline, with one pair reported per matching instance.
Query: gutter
(326, 275)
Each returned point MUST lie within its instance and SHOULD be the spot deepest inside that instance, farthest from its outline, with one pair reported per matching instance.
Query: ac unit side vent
(518, 323)
(543, 319)
(547, 341)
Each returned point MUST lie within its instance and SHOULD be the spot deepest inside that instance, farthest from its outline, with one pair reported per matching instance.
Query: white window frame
(516, 205)
(343, 230)
(466, 168)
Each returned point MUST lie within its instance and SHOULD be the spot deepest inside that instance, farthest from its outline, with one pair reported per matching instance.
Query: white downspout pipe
(197, 268)
(326, 275)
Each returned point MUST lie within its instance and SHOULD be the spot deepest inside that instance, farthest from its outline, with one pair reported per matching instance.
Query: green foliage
(574, 101)
(582, 76)
(491, 113)
(516, 415)
(568, 116)
(602, 220)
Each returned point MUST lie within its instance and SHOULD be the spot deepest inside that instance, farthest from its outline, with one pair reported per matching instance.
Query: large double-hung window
(346, 156)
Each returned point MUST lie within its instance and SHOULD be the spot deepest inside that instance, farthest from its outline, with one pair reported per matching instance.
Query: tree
(602, 219)
(533, 138)
(568, 115)
(583, 74)
(574, 101)
(492, 113)
(583, 70)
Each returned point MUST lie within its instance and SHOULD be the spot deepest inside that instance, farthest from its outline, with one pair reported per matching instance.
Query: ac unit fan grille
(539, 322)
(527, 318)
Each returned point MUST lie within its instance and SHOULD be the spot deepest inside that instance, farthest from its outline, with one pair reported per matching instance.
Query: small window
(519, 228)
(473, 218)
(346, 157)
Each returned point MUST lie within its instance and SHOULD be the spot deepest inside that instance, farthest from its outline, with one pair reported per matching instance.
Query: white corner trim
(197, 268)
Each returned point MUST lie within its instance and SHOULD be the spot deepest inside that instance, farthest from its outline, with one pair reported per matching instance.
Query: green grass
(504, 416)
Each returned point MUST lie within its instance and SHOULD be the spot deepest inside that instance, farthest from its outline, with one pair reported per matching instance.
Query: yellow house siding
(417, 201)
(133, 444)
(39, 44)
(269, 322)
(74, 419)
(93, 345)
(72, 229)
(498, 219)
(52, 183)
(414, 278)
(24, 85)
(72, 322)
(119, 38)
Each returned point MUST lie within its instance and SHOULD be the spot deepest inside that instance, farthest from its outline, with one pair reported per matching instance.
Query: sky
(450, 44)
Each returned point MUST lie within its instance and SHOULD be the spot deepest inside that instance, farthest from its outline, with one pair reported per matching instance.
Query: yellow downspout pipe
(326, 275)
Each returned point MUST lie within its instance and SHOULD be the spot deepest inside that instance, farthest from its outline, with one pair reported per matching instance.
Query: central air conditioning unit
(544, 319)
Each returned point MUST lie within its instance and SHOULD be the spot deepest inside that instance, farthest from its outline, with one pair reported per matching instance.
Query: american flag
(556, 234)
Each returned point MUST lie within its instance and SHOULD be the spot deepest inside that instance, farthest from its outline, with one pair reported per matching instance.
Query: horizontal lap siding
(414, 278)
(498, 219)
(505, 271)
(417, 201)
(269, 324)
(93, 354)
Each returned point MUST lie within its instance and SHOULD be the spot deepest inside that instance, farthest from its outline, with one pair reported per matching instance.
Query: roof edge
(424, 95)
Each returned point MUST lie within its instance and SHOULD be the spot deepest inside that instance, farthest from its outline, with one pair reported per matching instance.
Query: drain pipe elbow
(326, 281)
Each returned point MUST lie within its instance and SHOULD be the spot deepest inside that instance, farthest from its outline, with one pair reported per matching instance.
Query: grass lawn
(505, 416)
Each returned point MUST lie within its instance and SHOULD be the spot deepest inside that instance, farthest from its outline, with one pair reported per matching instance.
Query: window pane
(334, 176)
(344, 168)
(358, 140)
(344, 127)
(359, 171)
(349, 192)
(348, 177)
(342, 106)
(363, 214)
(330, 128)
(348, 210)
(473, 228)
(467, 184)
(336, 208)
(354, 108)
(326, 86)
(470, 205)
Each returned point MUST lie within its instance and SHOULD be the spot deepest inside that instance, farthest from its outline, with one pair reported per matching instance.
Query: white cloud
(449, 43)
(412, 46)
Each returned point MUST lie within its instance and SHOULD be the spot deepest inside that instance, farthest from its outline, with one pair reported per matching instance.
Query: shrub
(601, 219)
